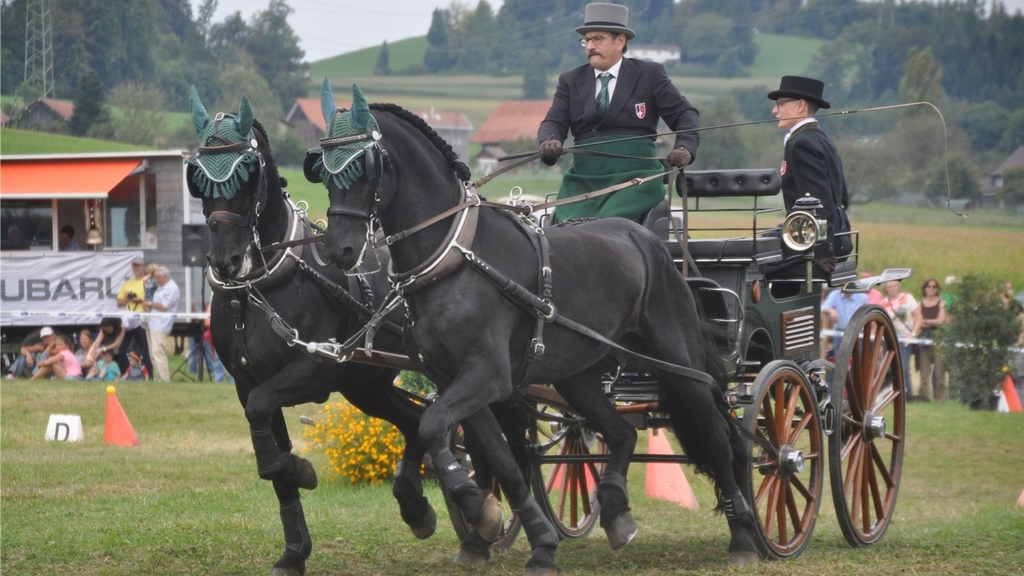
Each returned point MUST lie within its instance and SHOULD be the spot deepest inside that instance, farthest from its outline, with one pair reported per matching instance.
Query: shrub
(358, 448)
(975, 343)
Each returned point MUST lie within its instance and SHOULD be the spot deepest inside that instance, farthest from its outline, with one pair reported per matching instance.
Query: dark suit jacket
(813, 166)
(642, 89)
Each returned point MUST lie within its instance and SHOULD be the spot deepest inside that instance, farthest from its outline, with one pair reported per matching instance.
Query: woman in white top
(901, 306)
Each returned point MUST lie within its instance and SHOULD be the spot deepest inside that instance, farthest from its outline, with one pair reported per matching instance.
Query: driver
(607, 99)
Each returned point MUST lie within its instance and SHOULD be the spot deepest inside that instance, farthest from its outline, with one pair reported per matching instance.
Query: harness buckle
(550, 315)
(536, 348)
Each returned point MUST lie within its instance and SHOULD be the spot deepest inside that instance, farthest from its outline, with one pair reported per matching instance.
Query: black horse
(260, 297)
(462, 272)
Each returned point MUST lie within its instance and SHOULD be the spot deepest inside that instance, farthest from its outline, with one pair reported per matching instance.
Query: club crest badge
(782, 169)
(641, 110)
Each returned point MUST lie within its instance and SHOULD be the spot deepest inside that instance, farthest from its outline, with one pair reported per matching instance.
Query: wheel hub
(791, 461)
(874, 427)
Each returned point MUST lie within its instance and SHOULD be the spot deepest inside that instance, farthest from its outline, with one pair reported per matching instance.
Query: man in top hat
(610, 98)
(812, 164)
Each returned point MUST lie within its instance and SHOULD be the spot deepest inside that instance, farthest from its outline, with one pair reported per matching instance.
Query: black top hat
(606, 18)
(803, 88)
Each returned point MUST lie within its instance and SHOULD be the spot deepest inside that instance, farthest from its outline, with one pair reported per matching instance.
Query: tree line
(146, 53)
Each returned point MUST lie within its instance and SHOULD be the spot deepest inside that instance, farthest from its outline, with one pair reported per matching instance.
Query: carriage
(685, 285)
(799, 406)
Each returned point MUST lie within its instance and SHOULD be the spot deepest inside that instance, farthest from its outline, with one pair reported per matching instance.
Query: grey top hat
(601, 16)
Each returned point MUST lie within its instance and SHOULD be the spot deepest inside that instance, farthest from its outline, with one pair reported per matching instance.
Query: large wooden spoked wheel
(567, 491)
(788, 459)
(511, 524)
(866, 447)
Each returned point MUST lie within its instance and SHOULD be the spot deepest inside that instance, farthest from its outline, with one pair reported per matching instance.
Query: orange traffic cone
(666, 481)
(118, 430)
(1010, 394)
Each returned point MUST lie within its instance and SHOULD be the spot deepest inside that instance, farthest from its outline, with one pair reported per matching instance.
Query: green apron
(592, 173)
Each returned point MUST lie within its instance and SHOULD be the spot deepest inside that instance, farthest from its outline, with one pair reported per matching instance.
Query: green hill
(781, 55)
(29, 142)
(401, 55)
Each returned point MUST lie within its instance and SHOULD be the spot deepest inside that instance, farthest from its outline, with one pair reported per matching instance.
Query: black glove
(826, 263)
(550, 151)
(679, 158)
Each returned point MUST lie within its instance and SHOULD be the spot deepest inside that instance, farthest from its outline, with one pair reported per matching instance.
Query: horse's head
(229, 175)
(350, 150)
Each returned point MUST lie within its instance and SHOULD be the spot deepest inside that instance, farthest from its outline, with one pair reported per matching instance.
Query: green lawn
(401, 55)
(187, 500)
(29, 142)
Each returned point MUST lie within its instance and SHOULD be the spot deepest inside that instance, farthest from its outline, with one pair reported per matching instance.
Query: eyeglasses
(595, 39)
(782, 101)
(931, 286)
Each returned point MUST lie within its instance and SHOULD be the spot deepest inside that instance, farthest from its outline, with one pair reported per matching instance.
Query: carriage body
(766, 329)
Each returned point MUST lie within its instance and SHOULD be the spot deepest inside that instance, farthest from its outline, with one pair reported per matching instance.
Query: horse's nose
(228, 268)
(342, 257)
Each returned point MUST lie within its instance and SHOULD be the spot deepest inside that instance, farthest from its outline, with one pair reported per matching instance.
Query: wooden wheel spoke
(794, 513)
(851, 396)
(855, 435)
(865, 496)
(802, 425)
(798, 483)
(779, 418)
(879, 377)
(876, 493)
(766, 487)
(780, 511)
(881, 466)
(794, 397)
(770, 428)
(853, 469)
(887, 400)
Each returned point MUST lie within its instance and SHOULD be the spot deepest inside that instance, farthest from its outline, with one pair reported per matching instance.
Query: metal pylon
(39, 46)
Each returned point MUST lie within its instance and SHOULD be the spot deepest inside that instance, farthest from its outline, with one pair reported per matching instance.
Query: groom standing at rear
(610, 98)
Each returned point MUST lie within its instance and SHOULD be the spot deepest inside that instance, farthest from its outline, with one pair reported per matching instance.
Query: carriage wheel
(510, 528)
(866, 449)
(788, 459)
(567, 492)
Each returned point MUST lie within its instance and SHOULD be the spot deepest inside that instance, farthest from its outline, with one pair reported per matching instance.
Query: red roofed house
(307, 119)
(45, 112)
(510, 122)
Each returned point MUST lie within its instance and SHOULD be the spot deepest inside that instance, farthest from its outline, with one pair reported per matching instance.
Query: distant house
(45, 112)
(660, 53)
(510, 122)
(993, 181)
(307, 119)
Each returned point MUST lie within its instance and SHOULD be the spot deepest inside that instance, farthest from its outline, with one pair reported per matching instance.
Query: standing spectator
(205, 347)
(927, 318)
(874, 296)
(62, 363)
(130, 297)
(165, 299)
(37, 345)
(901, 306)
(66, 240)
(839, 307)
(149, 281)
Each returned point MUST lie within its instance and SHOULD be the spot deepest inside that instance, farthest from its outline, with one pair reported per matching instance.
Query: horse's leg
(486, 435)
(380, 399)
(298, 545)
(583, 392)
(274, 460)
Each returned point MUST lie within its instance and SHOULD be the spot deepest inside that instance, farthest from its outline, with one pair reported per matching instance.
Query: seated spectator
(37, 345)
(66, 240)
(61, 364)
(106, 368)
(135, 371)
(84, 352)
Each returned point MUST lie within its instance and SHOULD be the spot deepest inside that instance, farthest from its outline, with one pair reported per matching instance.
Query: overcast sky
(330, 27)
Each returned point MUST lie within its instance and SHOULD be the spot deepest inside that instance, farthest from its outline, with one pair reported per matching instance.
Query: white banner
(61, 288)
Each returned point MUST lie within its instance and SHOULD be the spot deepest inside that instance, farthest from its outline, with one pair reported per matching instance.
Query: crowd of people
(129, 348)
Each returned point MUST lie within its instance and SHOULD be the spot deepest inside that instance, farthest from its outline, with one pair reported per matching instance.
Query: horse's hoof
(541, 571)
(285, 572)
(304, 474)
(744, 558)
(472, 557)
(621, 531)
(489, 525)
(425, 529)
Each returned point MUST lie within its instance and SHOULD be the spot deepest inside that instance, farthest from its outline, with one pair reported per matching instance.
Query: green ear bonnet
(350, 133)
(227, 150)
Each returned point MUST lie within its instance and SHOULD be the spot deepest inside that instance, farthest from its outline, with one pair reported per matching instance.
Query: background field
(187, 501)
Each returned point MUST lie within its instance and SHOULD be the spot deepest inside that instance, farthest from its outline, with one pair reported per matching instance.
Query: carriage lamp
(802, 229)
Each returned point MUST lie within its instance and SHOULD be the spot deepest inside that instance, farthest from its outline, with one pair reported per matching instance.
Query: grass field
(187, 501)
